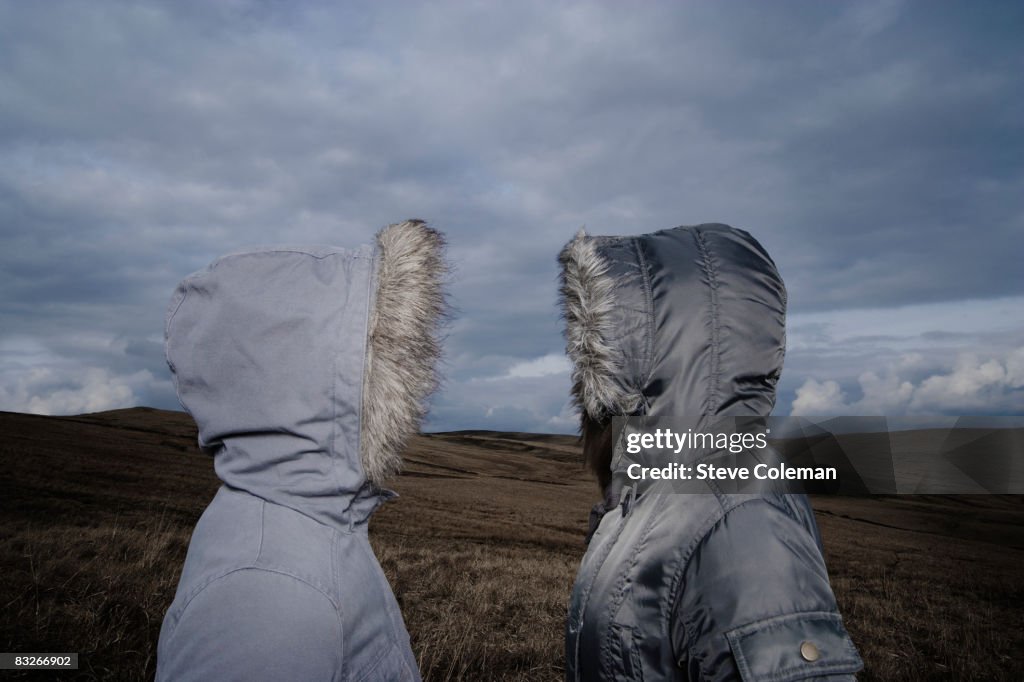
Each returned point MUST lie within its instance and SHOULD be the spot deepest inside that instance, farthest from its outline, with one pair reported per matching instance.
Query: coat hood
(685, 322)
(306, 369)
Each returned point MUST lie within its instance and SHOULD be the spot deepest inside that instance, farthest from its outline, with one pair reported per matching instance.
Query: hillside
(481, 549)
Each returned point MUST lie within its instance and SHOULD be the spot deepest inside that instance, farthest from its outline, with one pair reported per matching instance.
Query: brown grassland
(481, 549)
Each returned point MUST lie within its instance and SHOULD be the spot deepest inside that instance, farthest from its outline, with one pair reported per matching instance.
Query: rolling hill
(481, 549)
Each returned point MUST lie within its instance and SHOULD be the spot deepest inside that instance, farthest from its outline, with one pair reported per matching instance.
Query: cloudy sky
(875, 148)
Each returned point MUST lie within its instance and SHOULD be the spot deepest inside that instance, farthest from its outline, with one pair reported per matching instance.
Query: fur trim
(403, 347)
(588, 299)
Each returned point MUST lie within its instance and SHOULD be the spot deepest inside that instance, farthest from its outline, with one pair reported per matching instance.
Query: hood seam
(371, 301)
(645, 278)
(714, 369)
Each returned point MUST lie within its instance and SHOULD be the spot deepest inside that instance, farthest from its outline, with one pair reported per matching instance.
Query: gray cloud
(875, 149)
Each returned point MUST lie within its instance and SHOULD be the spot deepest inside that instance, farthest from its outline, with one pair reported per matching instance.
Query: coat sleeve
(253, 624)
(754, 603)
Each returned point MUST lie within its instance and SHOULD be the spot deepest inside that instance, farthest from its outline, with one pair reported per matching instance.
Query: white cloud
(531, 395)
(818, 398)
(45, 390)
(972, 385)
(554, 363)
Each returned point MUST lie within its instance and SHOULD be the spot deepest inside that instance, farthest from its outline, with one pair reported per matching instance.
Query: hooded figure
(305, 369)
(689, 322)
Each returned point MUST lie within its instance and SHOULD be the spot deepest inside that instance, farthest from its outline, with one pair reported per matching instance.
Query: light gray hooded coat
(305, 369)
(690, 322)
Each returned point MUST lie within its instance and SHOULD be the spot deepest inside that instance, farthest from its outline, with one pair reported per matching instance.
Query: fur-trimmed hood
(688, 321)
(307, 368)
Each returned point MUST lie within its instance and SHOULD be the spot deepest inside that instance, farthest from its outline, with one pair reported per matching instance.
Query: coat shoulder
(252, 623)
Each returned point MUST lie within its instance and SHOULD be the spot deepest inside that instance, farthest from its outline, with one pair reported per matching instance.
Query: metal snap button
(809, 652)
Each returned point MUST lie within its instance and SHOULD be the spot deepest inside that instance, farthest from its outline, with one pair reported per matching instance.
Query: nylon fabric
(699, 332)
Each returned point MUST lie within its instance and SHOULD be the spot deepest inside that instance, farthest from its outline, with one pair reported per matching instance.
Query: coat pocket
(624, 661)
(793, 647)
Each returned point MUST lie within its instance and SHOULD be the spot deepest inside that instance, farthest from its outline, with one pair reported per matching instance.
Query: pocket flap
(793, 647)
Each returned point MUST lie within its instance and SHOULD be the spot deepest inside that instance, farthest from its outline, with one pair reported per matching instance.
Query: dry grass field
(481, 549)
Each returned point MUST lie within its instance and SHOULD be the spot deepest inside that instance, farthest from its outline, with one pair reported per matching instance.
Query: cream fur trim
(588, 299)
(403, 344)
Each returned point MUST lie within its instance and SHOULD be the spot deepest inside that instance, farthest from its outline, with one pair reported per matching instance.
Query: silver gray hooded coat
(305, 369)
(690, 322)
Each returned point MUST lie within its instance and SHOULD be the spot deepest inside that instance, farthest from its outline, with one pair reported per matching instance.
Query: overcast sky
(875, 148)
